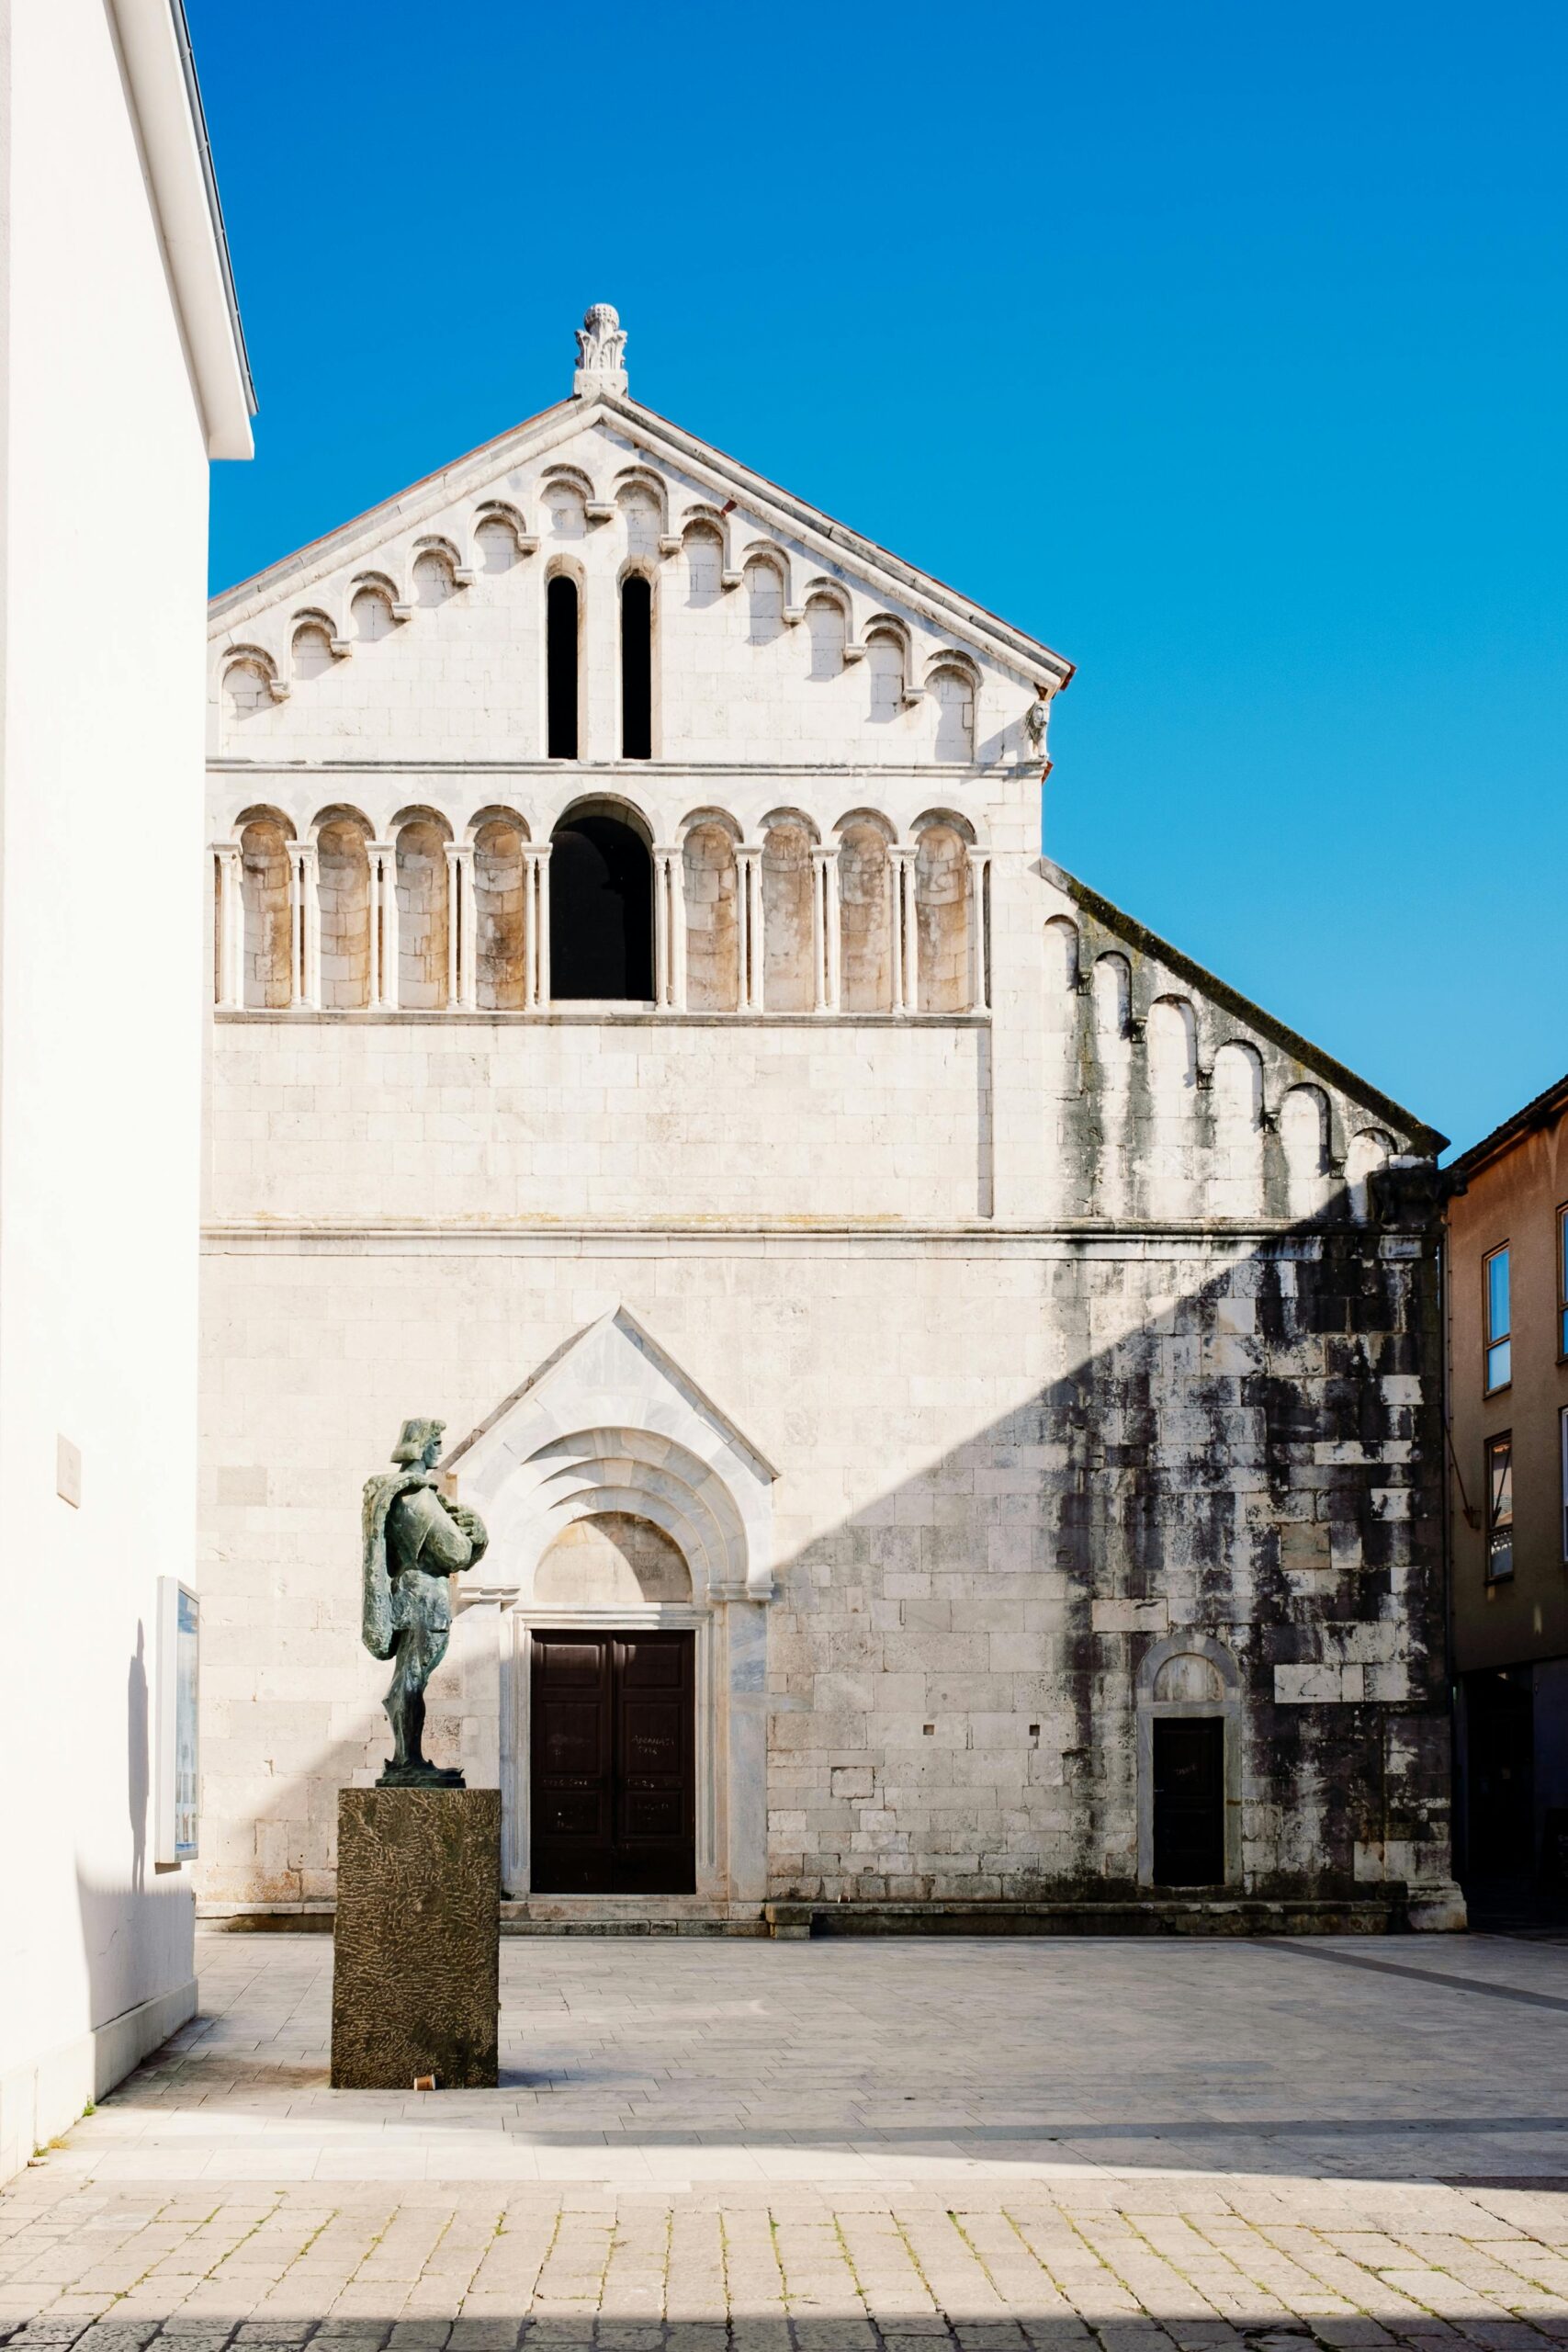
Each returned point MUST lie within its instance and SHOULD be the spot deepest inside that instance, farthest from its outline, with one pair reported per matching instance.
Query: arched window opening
(788, 927)
(942, 912)
(712, 920)
(1173, 1046)
(955, 696)
(866, 922)
(885, 665)
(1112, 987)
(828, 632)
(765, 600)
(371, 613)
(1369, 1151)
(705, 565)
(247, 687)
(343, 868)
(644, 519)
(600, 911)
(1303, 1135)
(432, 579)
(499, 918)
(497, 543)
(311, 651)
(264, 881)
(637, 668)
(421, 917)
(560, 627)
(1235, 1183)
(567, 509)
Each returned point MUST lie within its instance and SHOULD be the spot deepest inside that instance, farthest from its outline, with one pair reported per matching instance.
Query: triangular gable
(612, 1423)
(840, 553)
(613, 1357)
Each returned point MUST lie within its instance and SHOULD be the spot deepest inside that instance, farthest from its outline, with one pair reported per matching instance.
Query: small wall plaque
(179, 1775)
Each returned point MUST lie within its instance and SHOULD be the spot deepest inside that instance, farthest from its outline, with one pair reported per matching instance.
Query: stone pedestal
(416, 1950)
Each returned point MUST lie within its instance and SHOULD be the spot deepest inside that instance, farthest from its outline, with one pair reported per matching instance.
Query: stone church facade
(952, 1388)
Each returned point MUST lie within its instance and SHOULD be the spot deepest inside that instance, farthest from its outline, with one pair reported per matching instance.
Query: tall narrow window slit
(637, 668)
(560, 623)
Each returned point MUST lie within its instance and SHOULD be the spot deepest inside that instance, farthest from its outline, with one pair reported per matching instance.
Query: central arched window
(601, 910)
(560, 667)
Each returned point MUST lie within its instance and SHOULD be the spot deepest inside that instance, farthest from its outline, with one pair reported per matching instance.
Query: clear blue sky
(1223, 346)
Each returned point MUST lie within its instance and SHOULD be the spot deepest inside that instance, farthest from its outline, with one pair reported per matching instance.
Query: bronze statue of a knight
(414, 1543)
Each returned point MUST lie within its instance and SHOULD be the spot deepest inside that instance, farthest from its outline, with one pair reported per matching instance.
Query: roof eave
(939, 603)
(155, 44)
(1543, 1110)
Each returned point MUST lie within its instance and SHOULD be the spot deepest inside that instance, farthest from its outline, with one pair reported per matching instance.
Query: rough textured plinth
(416, 1950)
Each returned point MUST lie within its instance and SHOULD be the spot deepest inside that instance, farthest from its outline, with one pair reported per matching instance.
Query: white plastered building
(950, 1384)
(122, 374)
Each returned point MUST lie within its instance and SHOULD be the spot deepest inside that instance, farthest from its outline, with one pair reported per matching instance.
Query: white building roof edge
(155, 44)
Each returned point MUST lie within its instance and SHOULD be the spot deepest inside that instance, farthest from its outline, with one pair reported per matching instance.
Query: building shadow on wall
(1249, 1455)
(135, 1934)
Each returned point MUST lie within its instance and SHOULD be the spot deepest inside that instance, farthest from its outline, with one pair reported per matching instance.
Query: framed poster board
(179, 1666)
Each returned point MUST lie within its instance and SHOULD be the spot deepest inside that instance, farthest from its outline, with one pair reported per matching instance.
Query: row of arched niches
(488, 918)
(1164, 1108)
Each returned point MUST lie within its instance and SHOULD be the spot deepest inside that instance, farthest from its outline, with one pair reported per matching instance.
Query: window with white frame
(1499, 1321)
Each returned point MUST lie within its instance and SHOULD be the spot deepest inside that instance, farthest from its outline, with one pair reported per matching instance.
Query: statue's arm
(439, 1544)
(473, 1528)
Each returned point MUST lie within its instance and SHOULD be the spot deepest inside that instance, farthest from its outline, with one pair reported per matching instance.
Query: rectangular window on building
(1499, 1347)
(1562, 1282)
(1499, 1508)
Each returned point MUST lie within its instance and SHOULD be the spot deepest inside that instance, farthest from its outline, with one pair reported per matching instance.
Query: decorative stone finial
(601, 348)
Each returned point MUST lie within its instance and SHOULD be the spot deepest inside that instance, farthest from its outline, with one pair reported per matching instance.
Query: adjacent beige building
(1507, 1284)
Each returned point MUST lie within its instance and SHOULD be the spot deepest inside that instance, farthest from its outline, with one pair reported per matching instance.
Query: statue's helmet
(413, 1438)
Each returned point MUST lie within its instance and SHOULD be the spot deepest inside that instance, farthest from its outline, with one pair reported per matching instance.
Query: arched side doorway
(629, 1566)
(601, 908)
(1189, 1764)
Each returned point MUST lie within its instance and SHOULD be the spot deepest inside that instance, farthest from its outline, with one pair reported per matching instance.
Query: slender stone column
(383, 856)
(904, 937)
(229, 917)
(462, 930)
(536, 919)
(980, 930)
(824, 925)
(305, 925)
(749, 878)
(669, 928)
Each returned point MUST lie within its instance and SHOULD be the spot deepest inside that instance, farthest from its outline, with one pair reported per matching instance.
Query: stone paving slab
(746, 2147)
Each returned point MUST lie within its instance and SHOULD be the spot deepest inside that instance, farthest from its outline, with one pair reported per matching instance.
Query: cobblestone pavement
(838, 2147)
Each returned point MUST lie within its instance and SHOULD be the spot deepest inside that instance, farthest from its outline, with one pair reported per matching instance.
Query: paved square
(837, 2145)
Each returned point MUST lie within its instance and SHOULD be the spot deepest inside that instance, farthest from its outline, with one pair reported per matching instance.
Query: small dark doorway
(637, 668)
(601, 910)
(560, 668)
(1190, 1800)
(613, 1764)
(1499, 1710)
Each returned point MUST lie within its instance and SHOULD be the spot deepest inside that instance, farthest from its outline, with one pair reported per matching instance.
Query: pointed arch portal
(611, 1447)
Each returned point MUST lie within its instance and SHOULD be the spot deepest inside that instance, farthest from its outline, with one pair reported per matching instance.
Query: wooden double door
(611, 1761)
